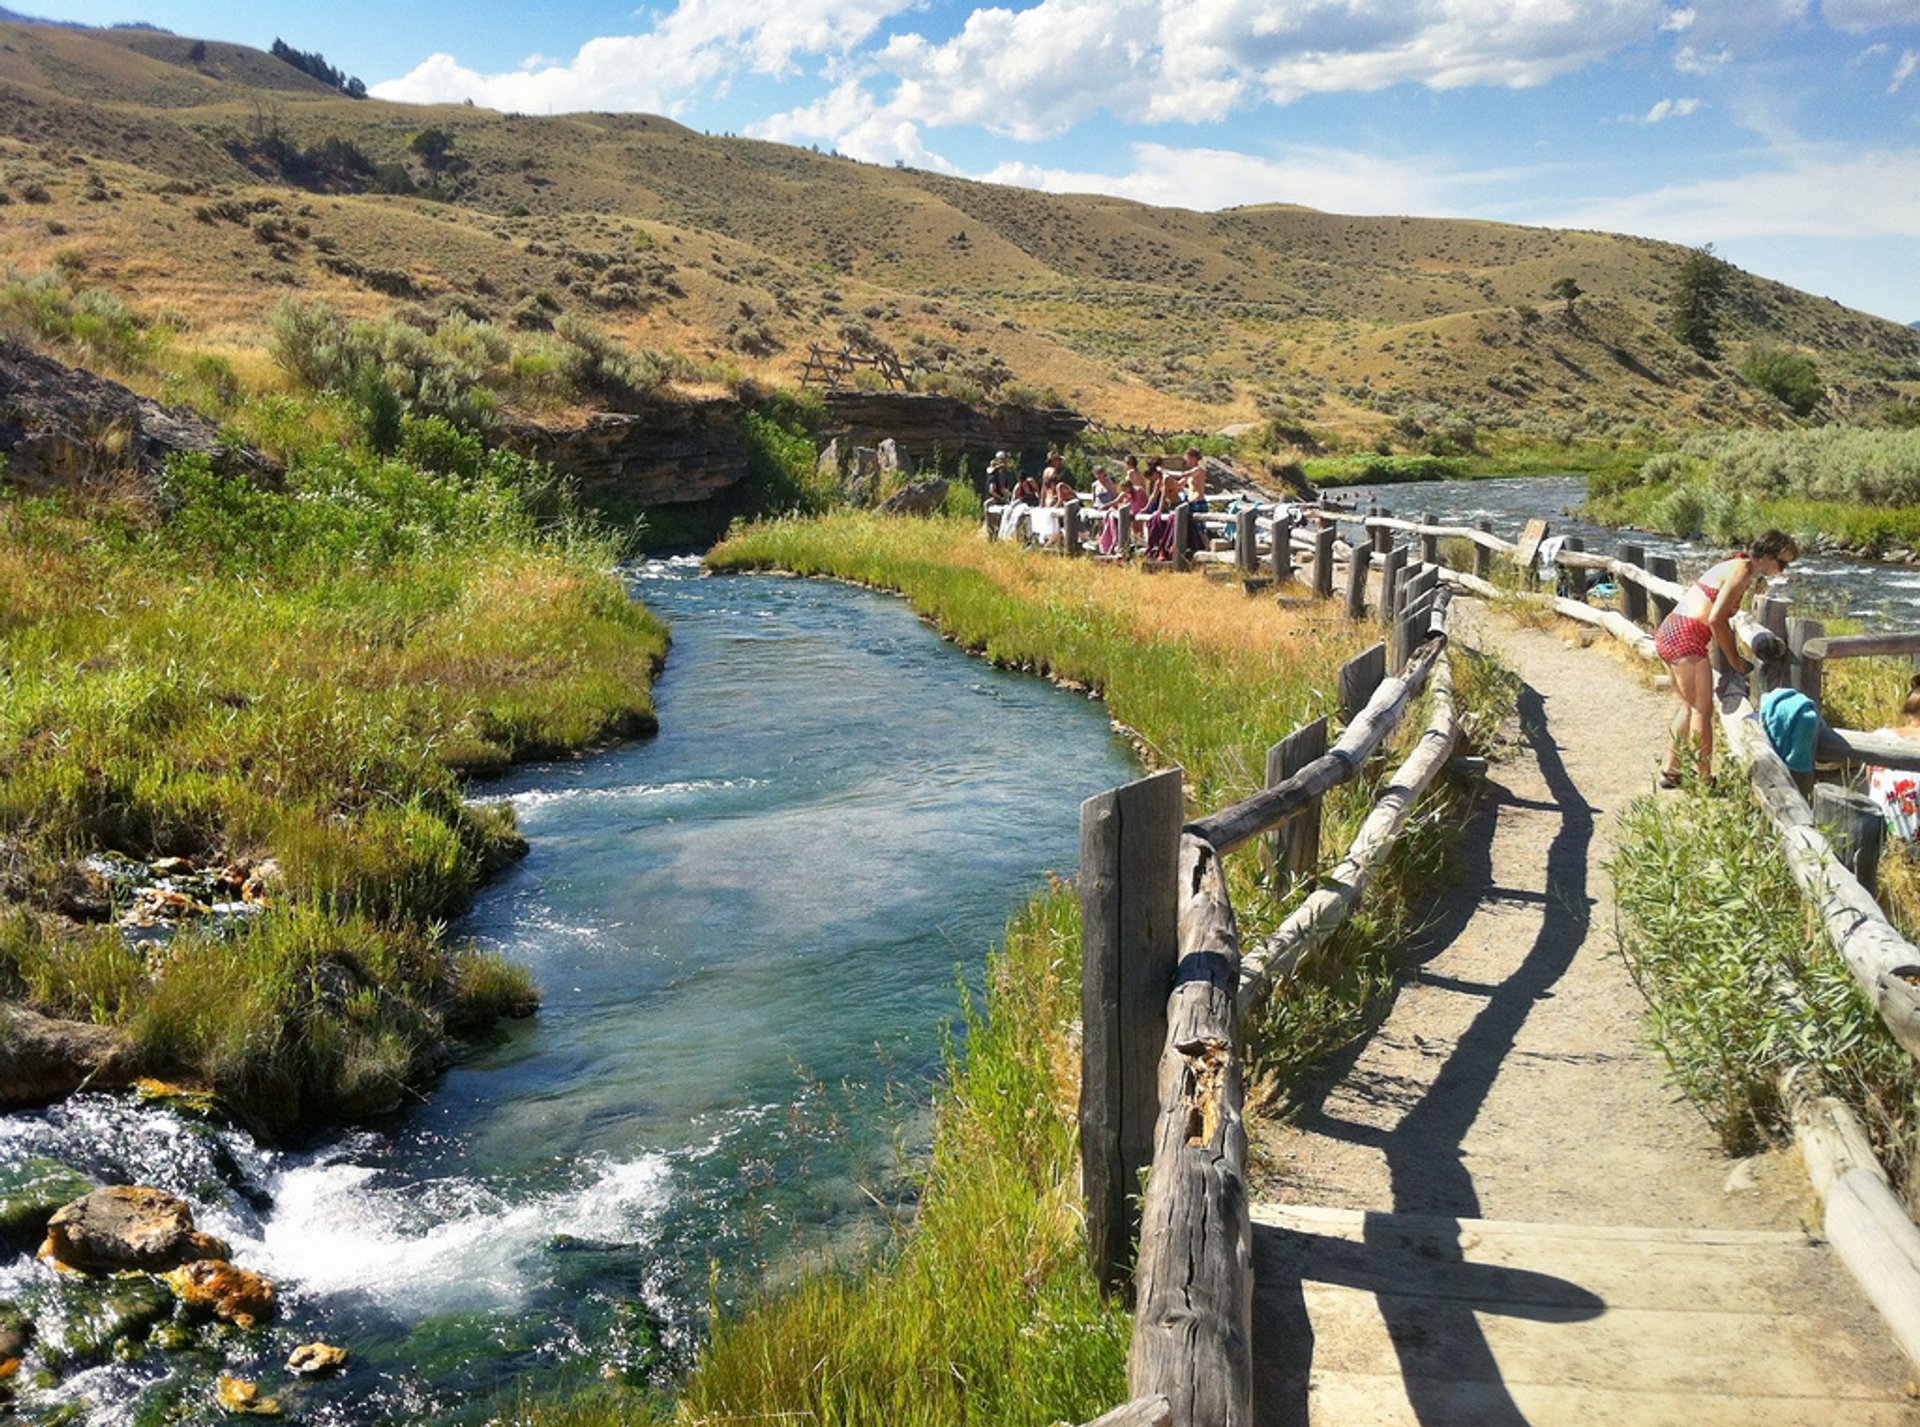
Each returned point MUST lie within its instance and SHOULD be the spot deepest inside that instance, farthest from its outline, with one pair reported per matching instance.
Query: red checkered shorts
(1682, 637)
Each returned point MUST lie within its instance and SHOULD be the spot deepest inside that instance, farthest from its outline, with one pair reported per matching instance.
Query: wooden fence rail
(1165, 992)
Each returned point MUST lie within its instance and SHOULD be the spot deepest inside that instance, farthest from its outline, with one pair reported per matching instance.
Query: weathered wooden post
(1808, 673)
(1129, 855)
(1280, 549)
(992, 522)
(1071, 529)
(1576, 574)
(1633, 597)
(1429, 543)
(1182, 533)
(1390, 582)
(1246, 538)
(1482, 555)
(1123, 535)
(1382, 537)
(1323, 539)
(1294, 847)
(1662, 567)
(1773, 611)
(1359, 677)
(1357, 564)
(1854, 827)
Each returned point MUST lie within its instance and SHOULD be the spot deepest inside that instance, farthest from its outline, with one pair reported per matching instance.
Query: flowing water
(747, 931)
(1883, 595)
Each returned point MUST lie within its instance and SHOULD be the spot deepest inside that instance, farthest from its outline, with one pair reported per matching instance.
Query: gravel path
(1511, 1081)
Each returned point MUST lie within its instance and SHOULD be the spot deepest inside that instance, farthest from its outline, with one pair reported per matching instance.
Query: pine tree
(1700, 291)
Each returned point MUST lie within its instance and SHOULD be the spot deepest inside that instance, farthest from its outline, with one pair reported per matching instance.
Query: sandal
(1669, 781)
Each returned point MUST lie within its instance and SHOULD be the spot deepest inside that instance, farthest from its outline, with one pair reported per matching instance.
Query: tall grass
(300, 674)
(1740, 982)
(1856, 487)
(984, 1312)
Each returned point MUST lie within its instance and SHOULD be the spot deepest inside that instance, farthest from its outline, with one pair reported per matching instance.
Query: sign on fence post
(1129, 875)
(1294, 847)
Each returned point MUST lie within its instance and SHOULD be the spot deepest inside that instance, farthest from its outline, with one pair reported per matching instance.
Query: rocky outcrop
(926, 425)
(61, 426)
(42, 1059)
(923, 498)
(233, 1295)
(127, 1226)
(671, 453)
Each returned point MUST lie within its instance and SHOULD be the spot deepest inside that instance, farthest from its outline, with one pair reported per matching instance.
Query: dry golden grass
(1135, 314)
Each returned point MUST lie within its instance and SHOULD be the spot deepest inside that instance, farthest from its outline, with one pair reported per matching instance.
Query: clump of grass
(301, 674)
(1740, 982)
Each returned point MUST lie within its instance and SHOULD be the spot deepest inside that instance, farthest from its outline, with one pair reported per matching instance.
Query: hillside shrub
(1791, 378)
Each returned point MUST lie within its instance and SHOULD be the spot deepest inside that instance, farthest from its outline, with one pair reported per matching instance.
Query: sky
(1784, 132)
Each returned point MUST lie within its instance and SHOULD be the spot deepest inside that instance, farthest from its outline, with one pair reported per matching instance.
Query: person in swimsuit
(1702, 619)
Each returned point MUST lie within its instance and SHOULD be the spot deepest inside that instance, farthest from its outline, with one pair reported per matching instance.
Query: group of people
(1151, 496)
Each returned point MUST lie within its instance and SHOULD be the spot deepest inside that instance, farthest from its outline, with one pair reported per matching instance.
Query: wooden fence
(1167, 987)
(1830, 845)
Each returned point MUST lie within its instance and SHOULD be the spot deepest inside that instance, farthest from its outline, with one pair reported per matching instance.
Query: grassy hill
(204, 180)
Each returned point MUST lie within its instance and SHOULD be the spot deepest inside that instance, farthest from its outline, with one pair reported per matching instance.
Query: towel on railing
(1792, 722)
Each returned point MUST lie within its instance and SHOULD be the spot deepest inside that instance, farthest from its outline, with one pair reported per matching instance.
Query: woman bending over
(1702, 619)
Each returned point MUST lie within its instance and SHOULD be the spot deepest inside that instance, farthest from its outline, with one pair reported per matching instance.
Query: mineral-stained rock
(43, 1059)
(238, 1395)
(30, 1193)
(892, 458)
(923, 498)
(237, 1295)
(926, 424)
(316, 1360)
(62, 426)
(127, 1226)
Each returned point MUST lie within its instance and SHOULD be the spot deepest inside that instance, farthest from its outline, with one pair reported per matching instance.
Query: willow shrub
(1740, 982)
(301, 674)
(986, 1312)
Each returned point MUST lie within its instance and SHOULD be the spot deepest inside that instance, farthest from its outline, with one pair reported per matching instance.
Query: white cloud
(1816, 193)
(1670, 109)
(700, 42)
(1336, 180)
(1679, 21)
(1903, 71)
(1869, 14)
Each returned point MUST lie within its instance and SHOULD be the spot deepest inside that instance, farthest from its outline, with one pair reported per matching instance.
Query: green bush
(1789, 377)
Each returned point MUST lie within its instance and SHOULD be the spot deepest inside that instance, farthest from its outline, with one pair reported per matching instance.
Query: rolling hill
(203, 181)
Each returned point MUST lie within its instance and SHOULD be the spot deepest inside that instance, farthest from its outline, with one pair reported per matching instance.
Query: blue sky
(1785, 132)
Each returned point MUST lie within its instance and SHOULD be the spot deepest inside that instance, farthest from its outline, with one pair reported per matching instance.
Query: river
(747, 930)
(1820, 585)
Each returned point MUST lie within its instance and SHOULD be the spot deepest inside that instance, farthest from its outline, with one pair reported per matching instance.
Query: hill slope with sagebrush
(204, 180)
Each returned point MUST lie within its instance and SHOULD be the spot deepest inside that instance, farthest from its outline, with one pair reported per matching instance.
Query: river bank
(1203, 676)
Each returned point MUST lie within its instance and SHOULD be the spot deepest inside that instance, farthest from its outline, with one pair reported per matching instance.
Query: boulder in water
(236, 1394)
(234, 1295)
(43, 1059)
(316, 1360)
(127, 1226)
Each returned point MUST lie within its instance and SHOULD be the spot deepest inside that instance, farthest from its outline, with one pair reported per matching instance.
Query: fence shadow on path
(1439, 1328)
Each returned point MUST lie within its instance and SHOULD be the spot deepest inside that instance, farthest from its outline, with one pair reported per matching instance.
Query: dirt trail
(1511, 1085)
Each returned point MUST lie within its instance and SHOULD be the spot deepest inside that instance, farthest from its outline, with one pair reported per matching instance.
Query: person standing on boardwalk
(1700, 621)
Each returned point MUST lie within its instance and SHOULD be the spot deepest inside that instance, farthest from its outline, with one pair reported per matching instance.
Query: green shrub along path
(295, 681)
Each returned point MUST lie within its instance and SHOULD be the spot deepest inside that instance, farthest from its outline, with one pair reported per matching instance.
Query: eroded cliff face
(671, 453)
(64, 426)
(683, 452)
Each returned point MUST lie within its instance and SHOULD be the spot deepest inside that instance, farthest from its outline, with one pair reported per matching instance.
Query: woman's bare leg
(1693, 681)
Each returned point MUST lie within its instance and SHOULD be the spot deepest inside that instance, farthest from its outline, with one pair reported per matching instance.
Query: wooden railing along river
(1167, 984)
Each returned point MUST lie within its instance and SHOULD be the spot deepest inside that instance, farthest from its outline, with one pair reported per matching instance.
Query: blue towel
(1792, 722)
